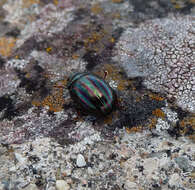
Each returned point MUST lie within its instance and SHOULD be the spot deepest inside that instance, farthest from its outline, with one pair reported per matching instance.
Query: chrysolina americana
(92, 93)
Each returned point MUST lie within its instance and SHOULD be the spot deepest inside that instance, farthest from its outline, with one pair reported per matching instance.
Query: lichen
(161, 51)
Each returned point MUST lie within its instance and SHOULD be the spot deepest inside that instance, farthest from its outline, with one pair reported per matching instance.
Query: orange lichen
(188, 121)
(48, 49)
(177, 6)
(187, 127)
(96, 40)
(116, 15)
(55, 2)
(36, 103)
(153, 123)
(112, 40)
(138, 99)
(158, 113)
(29, 3)
(55, 100)
(134, 129)
(117, 1)
(93, 39)
(185, 123)
(113, 73)
(109, 119)
(27, 75)
(6, 46)
(96, 9)
(75, 56)
(156, 97)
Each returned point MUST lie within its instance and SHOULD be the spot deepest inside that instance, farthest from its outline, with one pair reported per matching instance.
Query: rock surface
(146, 51)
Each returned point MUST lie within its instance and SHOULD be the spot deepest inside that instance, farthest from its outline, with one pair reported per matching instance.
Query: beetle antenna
(105, 74)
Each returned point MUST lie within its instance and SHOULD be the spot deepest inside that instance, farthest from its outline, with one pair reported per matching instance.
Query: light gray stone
(81, 160)
(62, 185)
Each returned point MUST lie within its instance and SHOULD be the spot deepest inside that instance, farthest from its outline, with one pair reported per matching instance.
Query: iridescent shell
(92, 93)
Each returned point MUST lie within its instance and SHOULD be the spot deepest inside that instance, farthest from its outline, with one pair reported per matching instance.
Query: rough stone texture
(47, 142)
(162, 51)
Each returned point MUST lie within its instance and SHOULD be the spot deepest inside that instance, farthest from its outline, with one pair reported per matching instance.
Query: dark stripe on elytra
(91, 92)
(85, 87)
(87, 98)
(106, 102)
(99, 85)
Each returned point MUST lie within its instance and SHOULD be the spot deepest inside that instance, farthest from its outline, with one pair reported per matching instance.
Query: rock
(62, 185)
(20, 158)
(81, 161)
(31, 187)
(183, 163)
(174, 180)
(150, 165)
(130, 185)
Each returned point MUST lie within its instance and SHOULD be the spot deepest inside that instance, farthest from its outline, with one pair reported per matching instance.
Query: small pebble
(62, 185)
(20, 158)
(174, 180)
(131, 185)
(31, 187)
(81, 161)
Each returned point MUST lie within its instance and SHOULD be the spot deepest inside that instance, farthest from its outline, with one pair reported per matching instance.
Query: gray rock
(62, 185)
(31, 187)
(81, 161)
(183, 164)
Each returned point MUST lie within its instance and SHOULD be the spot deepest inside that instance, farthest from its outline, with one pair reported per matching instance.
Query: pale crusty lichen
(162, 51)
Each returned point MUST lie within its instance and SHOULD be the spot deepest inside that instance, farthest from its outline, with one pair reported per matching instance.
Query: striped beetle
(92, 93)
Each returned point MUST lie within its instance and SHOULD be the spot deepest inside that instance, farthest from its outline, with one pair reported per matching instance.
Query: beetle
(93, 94)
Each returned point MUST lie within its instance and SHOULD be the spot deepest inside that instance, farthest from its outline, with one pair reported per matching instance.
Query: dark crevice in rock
(5, 102)
(11, 109)
(14, 32)
(2, 62)
(34, 83)
(137, 113)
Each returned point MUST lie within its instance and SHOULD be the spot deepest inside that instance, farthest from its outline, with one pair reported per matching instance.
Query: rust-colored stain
(55, 2)
(113, 73)
(96, 9)
(6, 46)
(156, 97)
(186, 123)
(134, 129)
(49, 49)
(2, 2)
(55, 100)
(152, 123)
(109, 119)
(93, 42)
(112, 40)
(75, 56)
(116, 15)
(158, 113)
(179, 4)
(29, 3)
(117, 1)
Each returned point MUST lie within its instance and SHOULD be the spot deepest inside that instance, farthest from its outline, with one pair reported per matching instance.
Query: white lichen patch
(17, 63)
(161, 125)
(20, 12)
(171, 115)
(8, 81)
(162, 51)
(57, 68)
(52, 21)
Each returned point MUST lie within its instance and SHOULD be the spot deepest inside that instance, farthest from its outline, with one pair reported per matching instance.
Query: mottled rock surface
(147, 50)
